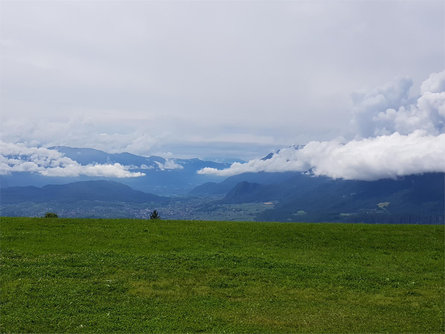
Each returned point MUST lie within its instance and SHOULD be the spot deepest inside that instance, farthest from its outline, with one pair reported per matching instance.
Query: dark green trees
(155, 215)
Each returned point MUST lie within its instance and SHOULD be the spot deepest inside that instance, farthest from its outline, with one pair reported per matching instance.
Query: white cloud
(21, 158)
(285, 160)
(169, 164)
(434, 84)
(400, 139)
(143, 166)
(366, 159)
(376, 158)
(368, 105)
(428, 113)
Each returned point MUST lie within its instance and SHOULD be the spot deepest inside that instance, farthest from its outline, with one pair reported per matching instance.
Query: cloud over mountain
(394, 138)
(47, 162)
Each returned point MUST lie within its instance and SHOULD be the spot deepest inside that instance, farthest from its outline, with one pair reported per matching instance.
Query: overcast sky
(216, 79)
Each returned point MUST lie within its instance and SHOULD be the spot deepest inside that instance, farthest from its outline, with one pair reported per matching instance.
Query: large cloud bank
(395, 137)
(20, 158)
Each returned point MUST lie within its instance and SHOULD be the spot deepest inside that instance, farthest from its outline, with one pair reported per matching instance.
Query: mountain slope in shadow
(108, 191)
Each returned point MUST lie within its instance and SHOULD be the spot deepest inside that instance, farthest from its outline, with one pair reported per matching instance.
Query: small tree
(155, 215)
(51, 215)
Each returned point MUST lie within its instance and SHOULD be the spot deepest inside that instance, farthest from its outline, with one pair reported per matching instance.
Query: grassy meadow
(87, 275)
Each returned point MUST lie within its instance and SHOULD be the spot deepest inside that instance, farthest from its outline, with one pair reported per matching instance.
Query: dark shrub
(155, 215)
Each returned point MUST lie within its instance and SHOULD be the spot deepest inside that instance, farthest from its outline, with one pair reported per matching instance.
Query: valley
(180, 192)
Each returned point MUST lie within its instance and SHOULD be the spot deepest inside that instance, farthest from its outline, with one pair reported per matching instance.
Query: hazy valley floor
(85, 275)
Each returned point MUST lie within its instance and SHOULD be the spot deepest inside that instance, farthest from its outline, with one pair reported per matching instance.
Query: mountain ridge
(162, 176)
(99, 190)
(290, 196)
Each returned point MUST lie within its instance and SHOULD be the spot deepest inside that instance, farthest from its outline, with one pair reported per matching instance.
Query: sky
(222, 79)
(396, 136)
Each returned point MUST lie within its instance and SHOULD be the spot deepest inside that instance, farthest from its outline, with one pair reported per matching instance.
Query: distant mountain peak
(271, 154)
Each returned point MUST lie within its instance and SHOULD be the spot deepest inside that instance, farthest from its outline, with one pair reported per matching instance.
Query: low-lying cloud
(169, 164)
(40, 160)
(394, 138)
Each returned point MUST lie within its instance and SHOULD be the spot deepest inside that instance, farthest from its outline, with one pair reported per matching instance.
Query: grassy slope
(72, 275)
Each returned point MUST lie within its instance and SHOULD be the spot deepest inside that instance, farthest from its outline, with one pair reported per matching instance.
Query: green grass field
(74, 275)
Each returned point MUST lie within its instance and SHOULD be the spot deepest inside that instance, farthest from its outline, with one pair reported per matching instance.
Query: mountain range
(287, 196)
(302, 196)
(166, 177)
(106, 191)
